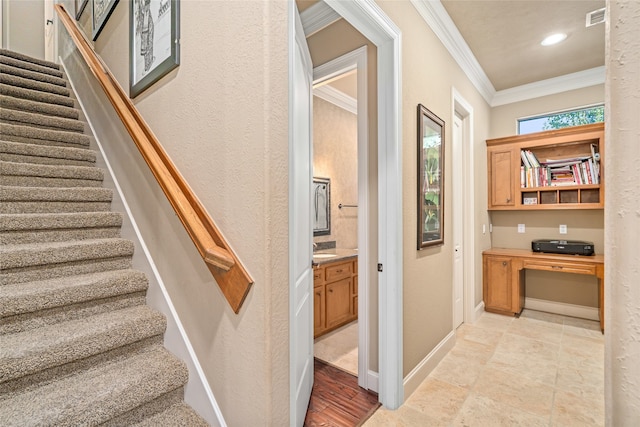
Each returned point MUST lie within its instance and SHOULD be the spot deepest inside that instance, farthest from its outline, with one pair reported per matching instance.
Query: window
(562, 119)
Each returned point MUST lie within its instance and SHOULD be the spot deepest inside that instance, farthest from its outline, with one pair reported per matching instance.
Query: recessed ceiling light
(553, 39)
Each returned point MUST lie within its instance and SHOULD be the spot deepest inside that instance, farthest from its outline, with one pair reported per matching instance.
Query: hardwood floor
(337, 400)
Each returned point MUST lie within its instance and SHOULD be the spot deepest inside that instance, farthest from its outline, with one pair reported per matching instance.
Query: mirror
(430, 178)
(321, 206)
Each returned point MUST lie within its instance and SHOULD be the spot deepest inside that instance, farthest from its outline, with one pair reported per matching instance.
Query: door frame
(459, 206)
(464, 110)
(357, 60)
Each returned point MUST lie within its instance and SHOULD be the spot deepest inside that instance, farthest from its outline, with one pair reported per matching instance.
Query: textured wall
(222, 116)
(335, 156)
(622, 215)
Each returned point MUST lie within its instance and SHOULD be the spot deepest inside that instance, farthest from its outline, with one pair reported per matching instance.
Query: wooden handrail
(231, 276)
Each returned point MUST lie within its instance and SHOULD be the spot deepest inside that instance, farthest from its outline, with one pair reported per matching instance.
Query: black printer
(570, 247)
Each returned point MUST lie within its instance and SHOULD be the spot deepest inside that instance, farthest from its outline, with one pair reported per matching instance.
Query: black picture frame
(431, 145)
(154, 36)
(101, 10)
(80, 6)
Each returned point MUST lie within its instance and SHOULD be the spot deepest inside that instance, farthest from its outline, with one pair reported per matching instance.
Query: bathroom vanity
(335, 289)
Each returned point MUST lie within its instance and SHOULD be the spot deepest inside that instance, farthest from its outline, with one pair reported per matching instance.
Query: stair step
(30, 297)
(33, 75)
(179, 414)
(26, 353)
(99, 394)
(12, 80)
(39, 107)
(43, 254)
(42, 154)
(36, 95)
(57, 227)
(41, 120)
(29, 59)
(33, 135)
(31, 64)
(15, 200)
(33, 175)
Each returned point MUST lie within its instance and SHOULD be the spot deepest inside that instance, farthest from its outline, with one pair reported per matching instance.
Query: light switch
(520, 228)
(563, 229)
(484, 228)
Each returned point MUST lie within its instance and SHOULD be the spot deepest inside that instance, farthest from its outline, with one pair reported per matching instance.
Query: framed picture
(154, 38)
(430, 179)
(80, 6)
(321, 206)
(101, 11)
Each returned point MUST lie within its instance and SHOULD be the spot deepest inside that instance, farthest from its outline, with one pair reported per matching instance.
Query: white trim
(318, 17)
(584, 312)
(428, 364)
(436, 16)
(579, 80)
(372, 381)
(198, 393)
(477, 311)
(464, 109)
(337, 98)
(357, 60)
(367, 17)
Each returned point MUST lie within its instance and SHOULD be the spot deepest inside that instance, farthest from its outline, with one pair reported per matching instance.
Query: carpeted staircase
(78, 344)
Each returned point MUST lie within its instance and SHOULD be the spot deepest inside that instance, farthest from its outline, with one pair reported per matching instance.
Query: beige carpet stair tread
(44, 194)
(95, 396)
(49, 171)
(14, 222)
(33, 75)
(41, 120)
(37, 254)
(28, 352)
(46, 65)
(39, 107)
(178, 415)
(46, 294)
(11, 132)
(36, 95)
(13, 80)
(43, 154)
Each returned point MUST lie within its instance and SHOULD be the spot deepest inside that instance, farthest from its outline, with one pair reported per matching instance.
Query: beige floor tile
(515, 390)
(481, 411)
(457, 370)
(349, 362)
(513, 345)
(583, 323)
(438, 399)
(496, 322)
(479, 335)
(537, 329)
(405, 416)
(541, 315)
(533, 359)
(339, 348)
(473, 351)
(584, 380)
(585, 350)
(572, 410)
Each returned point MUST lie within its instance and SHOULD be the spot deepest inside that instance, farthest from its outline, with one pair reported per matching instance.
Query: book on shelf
(578, 170)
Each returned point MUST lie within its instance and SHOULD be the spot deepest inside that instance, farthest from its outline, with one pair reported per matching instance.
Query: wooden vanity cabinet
(498, 284)
(334, 295)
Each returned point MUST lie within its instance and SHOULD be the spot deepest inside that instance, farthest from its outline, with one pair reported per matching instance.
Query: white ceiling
(505, 36)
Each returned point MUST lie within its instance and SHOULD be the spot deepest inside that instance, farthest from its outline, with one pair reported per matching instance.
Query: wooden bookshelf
(509, 190)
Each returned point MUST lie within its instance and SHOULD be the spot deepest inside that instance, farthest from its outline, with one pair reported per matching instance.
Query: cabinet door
(318, 311)
(338, 302)
(501, 176)
(498, 288)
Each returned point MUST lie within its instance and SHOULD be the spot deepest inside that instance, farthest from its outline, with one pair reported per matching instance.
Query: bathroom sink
(322, 256)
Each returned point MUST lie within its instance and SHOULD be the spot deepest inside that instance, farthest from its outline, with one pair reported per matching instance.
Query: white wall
(23, 27)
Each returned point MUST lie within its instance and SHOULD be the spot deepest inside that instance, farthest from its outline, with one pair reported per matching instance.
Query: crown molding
(579, 80)
(337, 98)
(436, 16)
(318, 17)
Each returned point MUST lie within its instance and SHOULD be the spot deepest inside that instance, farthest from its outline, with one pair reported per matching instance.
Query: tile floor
(537, 370)
(339, 348)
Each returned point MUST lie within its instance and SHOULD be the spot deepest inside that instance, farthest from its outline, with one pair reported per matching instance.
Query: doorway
(341, 153)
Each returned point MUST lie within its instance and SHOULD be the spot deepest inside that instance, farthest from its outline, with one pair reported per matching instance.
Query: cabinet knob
(504, 263)
(318, 293)
(330, 291)
(339, 271)
(508, 199)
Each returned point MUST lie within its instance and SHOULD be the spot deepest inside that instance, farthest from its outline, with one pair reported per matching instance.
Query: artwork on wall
(430, 178)
(154, 38)
(101, 10)
(80, 6)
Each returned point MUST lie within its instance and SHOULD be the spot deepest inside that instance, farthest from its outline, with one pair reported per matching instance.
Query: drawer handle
(557, 267)
(339, 271)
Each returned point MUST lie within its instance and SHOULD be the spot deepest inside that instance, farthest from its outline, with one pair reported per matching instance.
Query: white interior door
(50, 46)
(458, 223)
(300, 221)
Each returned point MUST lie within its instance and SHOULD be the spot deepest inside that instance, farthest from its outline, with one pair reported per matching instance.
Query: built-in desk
(503, 276)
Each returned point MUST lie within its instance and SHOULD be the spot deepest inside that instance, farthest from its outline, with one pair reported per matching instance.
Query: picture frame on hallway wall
(154, 42)
(100, 12)
(430, 178)
(80, 6)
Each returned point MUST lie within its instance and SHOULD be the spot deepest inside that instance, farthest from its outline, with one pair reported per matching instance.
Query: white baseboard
(428, 364)
(478, 311)
(565, 309)
(372, 381)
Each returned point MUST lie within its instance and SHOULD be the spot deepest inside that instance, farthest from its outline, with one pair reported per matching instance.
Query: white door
(50, 51)
(458, 223)
(300, 225)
